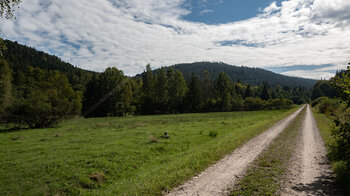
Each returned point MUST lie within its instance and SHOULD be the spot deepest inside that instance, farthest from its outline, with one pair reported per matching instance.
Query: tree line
(40, 98)
(166, 91)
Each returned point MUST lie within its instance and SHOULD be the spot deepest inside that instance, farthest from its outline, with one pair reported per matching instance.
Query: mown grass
(122, 156)
(264, 175)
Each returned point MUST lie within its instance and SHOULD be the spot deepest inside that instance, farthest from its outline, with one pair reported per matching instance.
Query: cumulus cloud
(129, 34)
(335, 11)
(273, 7)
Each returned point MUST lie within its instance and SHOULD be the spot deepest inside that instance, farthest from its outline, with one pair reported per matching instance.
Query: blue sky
(225, 11)
(304, 38)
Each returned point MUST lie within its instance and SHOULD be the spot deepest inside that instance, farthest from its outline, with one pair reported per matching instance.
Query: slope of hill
(19, 56)
(246, 75)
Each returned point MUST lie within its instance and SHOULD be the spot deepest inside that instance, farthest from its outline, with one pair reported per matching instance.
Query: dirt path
(309, 173)
(219, 178)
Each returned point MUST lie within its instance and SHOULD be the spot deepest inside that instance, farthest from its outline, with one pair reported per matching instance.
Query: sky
(303, 38)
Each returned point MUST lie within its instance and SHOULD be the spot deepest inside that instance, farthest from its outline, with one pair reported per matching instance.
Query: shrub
(280, 103)
(48, 99)
(254, 103)
(317, 101)
(328, 106)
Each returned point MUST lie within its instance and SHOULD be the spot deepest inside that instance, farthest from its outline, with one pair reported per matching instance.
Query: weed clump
(17, 138)
(152, 139)
(98, 177)
(213, 133)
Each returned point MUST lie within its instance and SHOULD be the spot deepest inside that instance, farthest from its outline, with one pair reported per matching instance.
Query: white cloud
(273, 7)
(335, 11)
(129, 34)
(206, 11)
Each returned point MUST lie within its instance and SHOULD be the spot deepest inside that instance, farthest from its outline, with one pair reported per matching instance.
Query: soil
(309, 172)
(219, 178)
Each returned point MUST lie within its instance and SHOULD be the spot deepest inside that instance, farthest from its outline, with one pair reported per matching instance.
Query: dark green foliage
(7, 7)
(194, 94)
(265, 94)
(5, 87)
(223, 91)
(249, 92)
(323, 88)
(341, 82)
(246, 75)
(161, 92)
(329, 106)
(43, 98)
(108, 94)
(148, 91)
(19, 57)
(157, 92)
(254, 103)
(279, 103)
(177, 89)
(318, 101)
(339, 142)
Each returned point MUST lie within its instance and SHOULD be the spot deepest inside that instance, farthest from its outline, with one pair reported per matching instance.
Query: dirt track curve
(310, 172)
(220, 178)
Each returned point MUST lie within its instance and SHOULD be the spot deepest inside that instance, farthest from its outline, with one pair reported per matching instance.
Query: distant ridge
(20, 56)
(246, 75)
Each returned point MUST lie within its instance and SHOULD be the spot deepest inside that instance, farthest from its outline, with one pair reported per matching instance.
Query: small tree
(48, 99)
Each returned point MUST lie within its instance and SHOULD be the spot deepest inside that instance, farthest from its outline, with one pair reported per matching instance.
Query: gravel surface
(220, 178)
(310, 172)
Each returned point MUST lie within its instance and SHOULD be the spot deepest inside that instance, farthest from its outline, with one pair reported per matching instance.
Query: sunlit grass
(122, 156)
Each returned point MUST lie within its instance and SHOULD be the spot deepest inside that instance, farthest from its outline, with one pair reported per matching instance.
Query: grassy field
(265, 174)
(122, 156)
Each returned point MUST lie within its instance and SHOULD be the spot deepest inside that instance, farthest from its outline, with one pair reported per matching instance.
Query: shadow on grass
(323, 185)
(11, 129)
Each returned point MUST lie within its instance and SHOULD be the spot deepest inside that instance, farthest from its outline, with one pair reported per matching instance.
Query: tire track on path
(219, 178)
(310, 172)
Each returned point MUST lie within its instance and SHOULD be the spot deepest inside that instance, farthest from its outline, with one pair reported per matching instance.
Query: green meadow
(122, 156)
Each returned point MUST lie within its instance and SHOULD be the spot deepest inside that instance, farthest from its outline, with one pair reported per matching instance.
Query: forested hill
(20, 56)
(246, 75)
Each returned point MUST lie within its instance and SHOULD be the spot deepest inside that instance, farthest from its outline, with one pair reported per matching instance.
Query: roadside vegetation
(333, 119)
(116, 156)
(264, 175)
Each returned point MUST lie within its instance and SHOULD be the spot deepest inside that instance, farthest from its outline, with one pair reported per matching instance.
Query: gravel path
(309, 172)
(219, 178)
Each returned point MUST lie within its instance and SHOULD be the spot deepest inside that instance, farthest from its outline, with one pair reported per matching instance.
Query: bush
(279, 103)
(317, 101)
(48, 98)
(329, 106)
(254, 103)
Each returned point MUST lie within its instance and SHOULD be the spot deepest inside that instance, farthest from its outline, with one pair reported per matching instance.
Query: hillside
(20, 56)
(246, 75)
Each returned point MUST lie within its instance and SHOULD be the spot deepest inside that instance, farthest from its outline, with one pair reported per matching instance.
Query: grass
(265, 174)
(324, 123)
(122, 156)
